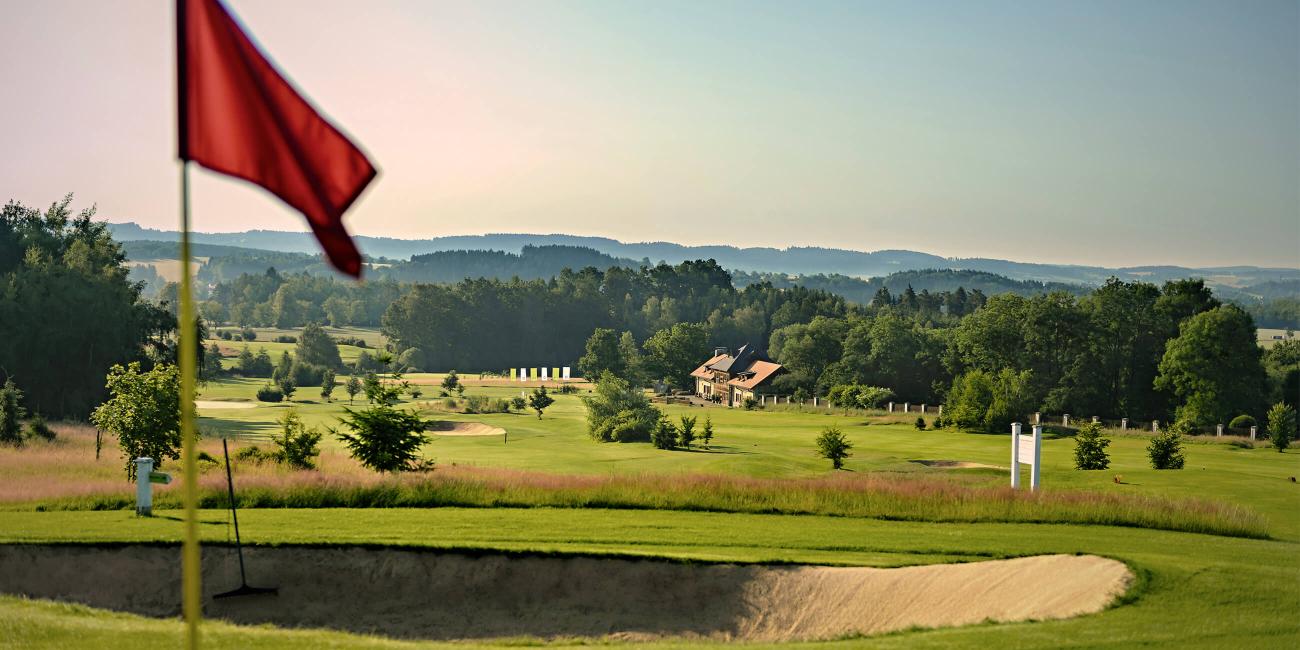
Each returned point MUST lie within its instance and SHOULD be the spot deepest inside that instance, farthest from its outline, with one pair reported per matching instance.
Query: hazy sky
(1116, 133)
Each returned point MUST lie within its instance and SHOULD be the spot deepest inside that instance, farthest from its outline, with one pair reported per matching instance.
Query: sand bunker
(956, 464)
(444, 428)
(215, 404)
(438, 595)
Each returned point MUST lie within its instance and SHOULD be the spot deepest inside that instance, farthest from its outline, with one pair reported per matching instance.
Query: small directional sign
(160, 477)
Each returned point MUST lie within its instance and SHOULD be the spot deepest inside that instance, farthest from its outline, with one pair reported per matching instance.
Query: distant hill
(932, 280)
(800, 261)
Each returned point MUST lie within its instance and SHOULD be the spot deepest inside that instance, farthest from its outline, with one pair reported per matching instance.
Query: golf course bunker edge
(444, 595)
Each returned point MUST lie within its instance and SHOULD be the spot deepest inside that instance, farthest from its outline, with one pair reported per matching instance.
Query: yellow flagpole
(191, 604)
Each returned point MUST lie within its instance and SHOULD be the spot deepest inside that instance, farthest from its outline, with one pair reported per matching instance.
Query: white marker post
(1026, 450)
(566, 373)
(545, 373)
(143, 488)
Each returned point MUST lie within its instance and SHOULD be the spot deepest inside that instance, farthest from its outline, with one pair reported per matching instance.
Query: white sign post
(545, 371)
(143, 487)
(565, 372)
(1026, 450)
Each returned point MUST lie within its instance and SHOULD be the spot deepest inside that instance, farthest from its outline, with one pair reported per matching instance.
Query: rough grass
(881, 497)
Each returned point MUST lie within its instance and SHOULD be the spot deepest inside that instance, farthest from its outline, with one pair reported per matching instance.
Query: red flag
(238, 116)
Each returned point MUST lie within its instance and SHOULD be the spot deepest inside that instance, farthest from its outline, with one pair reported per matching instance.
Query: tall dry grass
(342, 483)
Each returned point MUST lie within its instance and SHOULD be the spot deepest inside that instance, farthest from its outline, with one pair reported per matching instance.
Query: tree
(287, 386)
(602, 355)
(296, 444)
(327, 384)
(143, 411)
(630, 357)
(833, 446)
(384, 438)
(672, 353)
(452, 383)
(686, 431)
(353, 387)
(11, 414)
(706, 434)
(317, 348)
(212, 367)
(283, 368)
(1214, 366)
(69, 308)
(616, 412)
(539, 400)
(1281, 425)
(664, 434)
(1166, 448)
(1090, 448)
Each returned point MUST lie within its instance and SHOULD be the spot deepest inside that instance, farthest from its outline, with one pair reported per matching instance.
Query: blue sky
(1115, 133)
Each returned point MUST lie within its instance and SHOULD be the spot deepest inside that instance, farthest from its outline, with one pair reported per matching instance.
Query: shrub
(253, 455)
(225, 335)
(385, 439)
(618, 412)
(567, 389)
(750, 403)
(1166, 448)
(706, 434)
(351, 340)
(476, 404)
(939, 423)
(307, 374)
(287, 385)
(248, 334)
(517, 403)
(286, 338)
(1242, 422)
(987, 401)
(37, 428)
(833, 446)
(860, 396)
(296, 443)
(450, 402)
(1281, 425)
(664, 434)
(1090, 448)
(920, 423)
(269, 393)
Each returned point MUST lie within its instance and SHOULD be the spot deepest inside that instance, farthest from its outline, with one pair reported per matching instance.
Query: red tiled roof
(763, 370)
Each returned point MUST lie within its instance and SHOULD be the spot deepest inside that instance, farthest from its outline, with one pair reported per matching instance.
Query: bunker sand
(218, 404)
(445, 428)
(441, 595)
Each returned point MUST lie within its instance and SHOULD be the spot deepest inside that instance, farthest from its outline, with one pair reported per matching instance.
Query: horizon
(1078, 133)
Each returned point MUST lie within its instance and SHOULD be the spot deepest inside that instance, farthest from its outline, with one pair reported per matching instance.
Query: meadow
(1215, 546)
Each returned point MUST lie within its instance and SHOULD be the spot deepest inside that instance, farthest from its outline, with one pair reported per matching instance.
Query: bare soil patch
(429, 594)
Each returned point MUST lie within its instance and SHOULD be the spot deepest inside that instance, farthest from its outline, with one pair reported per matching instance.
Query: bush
(1281, 425)
(833, 446)
(248, 334)
(990, 402)
(286, 338)
(451, 403)
(1166, 448)
(269, 393)
(567, 389)
(939, 422)
(225, 335)
(750, 404)
(1090, 448)
(307, 374)
(37, 428)
(1242, 422)
(920, 423)
(517, 403)
(616, 412)
(297, 445)
(859, 396)
(686, 431)
(706, 434)
(253, 455)
(351, 340)
(664, 434)
(385, 439)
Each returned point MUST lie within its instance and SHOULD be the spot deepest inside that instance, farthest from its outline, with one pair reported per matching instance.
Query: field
(758, 494)
(1270, 337)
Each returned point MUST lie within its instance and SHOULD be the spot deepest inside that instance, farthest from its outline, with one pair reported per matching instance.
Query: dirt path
(435, 595)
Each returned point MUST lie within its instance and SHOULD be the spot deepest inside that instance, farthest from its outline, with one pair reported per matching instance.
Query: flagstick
(191, 605)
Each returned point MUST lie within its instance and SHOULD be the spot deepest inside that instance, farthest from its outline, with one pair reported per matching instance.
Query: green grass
(779, 444)
(1194, 591)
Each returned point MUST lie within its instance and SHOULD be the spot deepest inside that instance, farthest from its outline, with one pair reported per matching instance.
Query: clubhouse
(731, 379)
